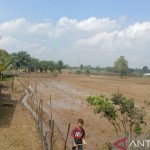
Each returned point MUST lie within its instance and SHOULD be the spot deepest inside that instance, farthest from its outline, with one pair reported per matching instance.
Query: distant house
(146, 75)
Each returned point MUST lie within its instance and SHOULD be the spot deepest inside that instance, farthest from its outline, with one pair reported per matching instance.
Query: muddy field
(69, 92)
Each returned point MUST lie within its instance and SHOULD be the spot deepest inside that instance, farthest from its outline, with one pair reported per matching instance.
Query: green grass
(8, 79)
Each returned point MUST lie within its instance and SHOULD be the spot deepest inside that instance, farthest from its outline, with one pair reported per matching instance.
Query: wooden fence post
(41, 118)
(52, 133)
(1, 85)
(28, 82)
(12, 85)
(50, 103)
(65, 147)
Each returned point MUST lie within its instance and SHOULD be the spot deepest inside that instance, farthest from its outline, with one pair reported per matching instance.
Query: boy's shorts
(78, 141)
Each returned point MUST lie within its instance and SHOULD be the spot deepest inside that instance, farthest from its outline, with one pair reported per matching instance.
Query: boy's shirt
(78, 133)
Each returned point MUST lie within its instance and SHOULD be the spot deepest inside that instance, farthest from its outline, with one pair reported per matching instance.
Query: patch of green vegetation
(8, 79)
(121, 112)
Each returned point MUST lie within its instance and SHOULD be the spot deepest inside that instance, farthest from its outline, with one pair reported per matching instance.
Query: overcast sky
(88, 32)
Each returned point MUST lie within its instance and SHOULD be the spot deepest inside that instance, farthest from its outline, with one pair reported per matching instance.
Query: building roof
(146, 74)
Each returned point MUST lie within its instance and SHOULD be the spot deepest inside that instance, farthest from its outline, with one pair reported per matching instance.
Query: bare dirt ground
(69, 93)
(17, 127)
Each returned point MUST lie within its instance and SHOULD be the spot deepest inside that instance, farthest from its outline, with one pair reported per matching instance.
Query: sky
(88, 32)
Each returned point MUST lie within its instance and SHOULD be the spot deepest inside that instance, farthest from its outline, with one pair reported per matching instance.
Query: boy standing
(78, 135)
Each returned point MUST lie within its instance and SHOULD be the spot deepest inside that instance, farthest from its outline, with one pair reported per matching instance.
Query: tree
(121, 66)
(109, 69)
(81, 67)
(44, 65)
(52, 66)
(21, 59)
(145, 69)
(121, 112)
(130, 117)
(60, 65)
(1, 66)
(4, 58)
(104, 107)
(34, 64)
(98, 68)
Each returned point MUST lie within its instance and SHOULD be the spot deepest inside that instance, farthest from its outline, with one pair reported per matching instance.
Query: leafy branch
(121, 112)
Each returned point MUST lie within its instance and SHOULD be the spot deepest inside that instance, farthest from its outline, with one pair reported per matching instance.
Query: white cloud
(92, 40)
(94, 24)
(64, 21)
(13, 24)
(135, 37)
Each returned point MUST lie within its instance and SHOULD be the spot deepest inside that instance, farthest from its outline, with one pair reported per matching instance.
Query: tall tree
(52, 66)
(81, 67)
(145, 69)
(4, 58)
(34, 65)
(121, 65)
(60, 65)
(21, 59)
(44, 65)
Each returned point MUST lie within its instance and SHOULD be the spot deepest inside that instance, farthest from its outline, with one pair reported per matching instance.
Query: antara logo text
(123, 145)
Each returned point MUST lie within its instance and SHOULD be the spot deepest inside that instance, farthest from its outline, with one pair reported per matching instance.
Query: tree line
(23, 60)
(119, 67)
